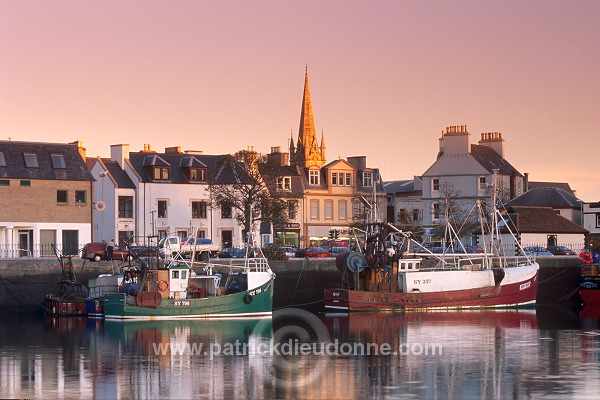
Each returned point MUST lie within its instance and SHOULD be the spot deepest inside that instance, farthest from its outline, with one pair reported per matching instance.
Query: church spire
(308, 150)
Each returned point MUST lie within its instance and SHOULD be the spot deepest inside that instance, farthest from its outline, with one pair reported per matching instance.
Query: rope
(299, 276)
(297, 305)
(553, 276)
(23, 293)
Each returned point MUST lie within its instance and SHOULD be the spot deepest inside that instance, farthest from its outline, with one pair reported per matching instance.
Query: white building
(467, 170)
(151, 194)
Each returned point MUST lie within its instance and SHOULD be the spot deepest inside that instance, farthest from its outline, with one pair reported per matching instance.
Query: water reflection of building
(485, 355)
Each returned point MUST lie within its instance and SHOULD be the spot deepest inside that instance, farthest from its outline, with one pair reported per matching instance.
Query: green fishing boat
(181, 292)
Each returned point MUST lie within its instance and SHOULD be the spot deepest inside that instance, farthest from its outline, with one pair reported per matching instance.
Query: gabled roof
(75, 166)
(547, 197)
(542, 220)
(191, 161)
(490, 160)
(118, 174)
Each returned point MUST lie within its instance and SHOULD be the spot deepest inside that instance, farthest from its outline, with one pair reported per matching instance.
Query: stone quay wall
(24, 283)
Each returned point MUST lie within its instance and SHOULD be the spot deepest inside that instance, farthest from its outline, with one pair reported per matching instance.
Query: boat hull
(256, 302)
(64, 307)
(520, 293)
(589, 289)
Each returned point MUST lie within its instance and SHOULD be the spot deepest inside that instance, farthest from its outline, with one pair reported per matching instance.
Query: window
(436, 211)
(126, 207)
(62, 196)
(334, 178)
(292, 209)
(356, 210)
(313, 177)
(2, 160)
(199, 209)
(342, 210)
(80, 197)
(4, 182)
(367, 179)
(341, 179)
(162, 209)
(314, 209)
(226, 211)
(284, 183)
(31, 160)
(161, 173)
(25, 183)
(175, 274)
(58, 161)
(435, 184)
(482, 184)
(415, 215)
(328, 209)
(197, 174)
(597, 220)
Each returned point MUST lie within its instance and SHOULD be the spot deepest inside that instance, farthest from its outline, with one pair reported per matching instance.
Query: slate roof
(542, 220)
(403, 186)
(558, 185)
(490, 160)
(75, 166)
(177, 161)
(118, 174)
(547, 197)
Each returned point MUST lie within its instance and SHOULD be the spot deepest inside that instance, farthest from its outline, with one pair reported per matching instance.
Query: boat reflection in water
(462, 354)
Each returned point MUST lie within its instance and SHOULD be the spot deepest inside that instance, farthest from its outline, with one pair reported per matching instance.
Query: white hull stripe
(261, 315)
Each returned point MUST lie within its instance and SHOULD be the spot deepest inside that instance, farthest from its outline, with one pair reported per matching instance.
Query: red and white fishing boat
(406, 276)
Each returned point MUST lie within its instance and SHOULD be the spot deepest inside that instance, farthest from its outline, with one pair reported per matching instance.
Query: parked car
(561, 251)
(288, 251)
(146, 251)
(316, 252)
(335, 251)
(537, 251)
(96, 251)
(474, 249)
(232, 252)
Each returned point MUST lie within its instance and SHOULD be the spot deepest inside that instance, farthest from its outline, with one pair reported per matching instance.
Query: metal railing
(38, 250)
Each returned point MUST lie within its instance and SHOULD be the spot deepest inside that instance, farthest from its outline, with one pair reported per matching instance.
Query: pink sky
(385, 76)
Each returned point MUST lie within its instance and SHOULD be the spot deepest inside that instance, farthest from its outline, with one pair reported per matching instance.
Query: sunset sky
(385, 77)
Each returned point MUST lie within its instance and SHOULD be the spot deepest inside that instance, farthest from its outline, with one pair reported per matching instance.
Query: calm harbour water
(543, 353)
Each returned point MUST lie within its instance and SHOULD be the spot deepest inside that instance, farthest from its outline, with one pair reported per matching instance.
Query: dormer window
(58, 161)
(284, 183)
(2, 160)
(31, 160)
(197, 174)
(313, 177)
(367, 179)
(161, 173)
(341, 179)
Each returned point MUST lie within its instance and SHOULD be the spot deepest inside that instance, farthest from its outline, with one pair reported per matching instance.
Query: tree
(457, 212)
(242, 182)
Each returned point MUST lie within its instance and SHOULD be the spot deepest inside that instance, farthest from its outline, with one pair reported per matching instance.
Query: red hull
(62, 307)
(590, 296)
(512, 295)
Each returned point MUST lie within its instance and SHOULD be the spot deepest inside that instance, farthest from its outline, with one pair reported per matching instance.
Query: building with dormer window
(45, 199)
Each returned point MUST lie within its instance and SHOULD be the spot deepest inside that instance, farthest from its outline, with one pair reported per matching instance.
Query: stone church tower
(307, 152)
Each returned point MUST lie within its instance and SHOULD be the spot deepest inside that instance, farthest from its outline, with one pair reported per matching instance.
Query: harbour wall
(299, 282)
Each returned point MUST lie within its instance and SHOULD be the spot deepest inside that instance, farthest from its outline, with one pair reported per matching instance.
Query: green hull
(237, 305)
